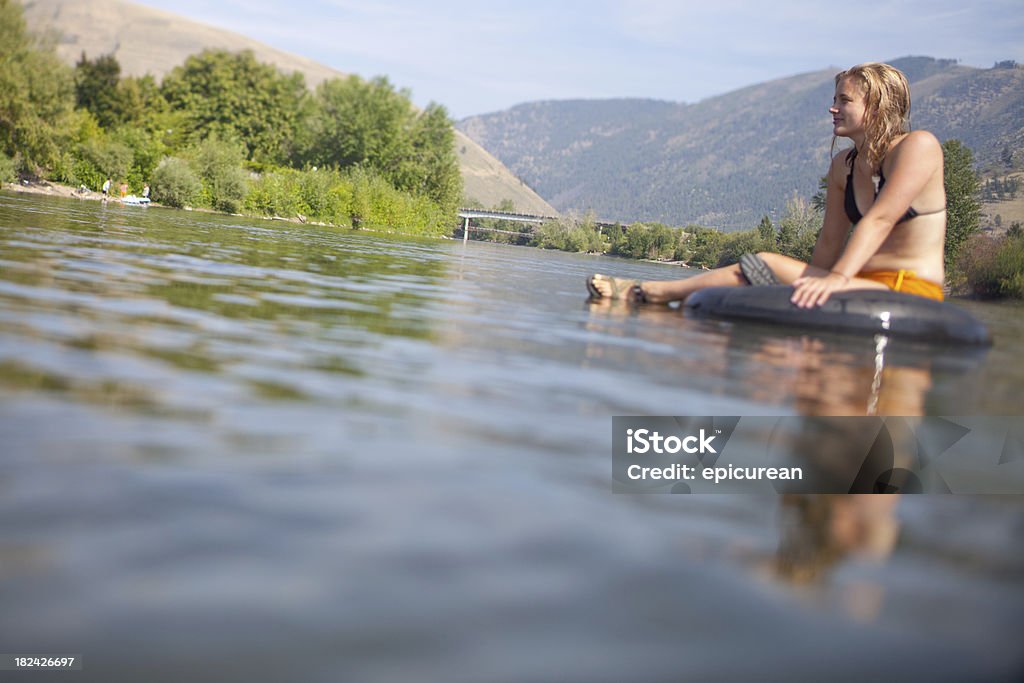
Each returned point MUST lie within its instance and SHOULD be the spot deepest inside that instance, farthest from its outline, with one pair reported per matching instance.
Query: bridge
(467, 214)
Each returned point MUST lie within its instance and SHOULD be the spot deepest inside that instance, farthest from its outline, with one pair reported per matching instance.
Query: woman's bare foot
(607, 287)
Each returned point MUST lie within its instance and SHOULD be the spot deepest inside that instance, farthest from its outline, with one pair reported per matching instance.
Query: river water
(248, 450)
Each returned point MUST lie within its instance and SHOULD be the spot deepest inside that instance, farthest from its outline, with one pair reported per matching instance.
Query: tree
(142, 104)
(234, 97)
(36, 95)
(360, 123)
(371, 125)
(433, 168)
(704, 246)
(96, 88)
(766, 231)
(798, 230)
(820, 197)
(963, 211)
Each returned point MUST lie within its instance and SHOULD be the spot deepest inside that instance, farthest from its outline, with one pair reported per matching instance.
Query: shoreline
(45, 188)
(48, 189)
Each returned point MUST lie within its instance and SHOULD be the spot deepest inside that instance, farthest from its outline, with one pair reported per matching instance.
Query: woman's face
(848, 108)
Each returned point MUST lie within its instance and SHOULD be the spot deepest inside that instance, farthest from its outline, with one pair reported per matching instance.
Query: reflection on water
(331, 455)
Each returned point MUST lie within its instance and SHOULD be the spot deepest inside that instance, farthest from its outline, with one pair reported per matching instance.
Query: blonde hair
(887, 106)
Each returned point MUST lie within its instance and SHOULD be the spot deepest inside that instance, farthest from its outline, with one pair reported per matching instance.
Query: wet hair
(887, 106)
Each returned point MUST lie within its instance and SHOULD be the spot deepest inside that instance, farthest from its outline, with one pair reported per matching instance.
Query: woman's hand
(814, 290)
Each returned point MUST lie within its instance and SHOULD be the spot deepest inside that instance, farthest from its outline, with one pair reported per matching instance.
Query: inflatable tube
(875, 311)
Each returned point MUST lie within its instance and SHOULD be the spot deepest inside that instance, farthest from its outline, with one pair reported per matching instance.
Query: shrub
(798, 230)
(326, 196)
(359, 198)
(570, 233)
(224, 181)
(993, 268)
(175, 183)
(704, 247)
(275, 194)
(647, 241)
(8, 174)
(736, 244)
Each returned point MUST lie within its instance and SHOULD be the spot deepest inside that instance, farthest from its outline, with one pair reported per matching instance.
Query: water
(245, 450)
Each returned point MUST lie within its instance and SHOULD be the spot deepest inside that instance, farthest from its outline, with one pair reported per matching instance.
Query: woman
(889, 185)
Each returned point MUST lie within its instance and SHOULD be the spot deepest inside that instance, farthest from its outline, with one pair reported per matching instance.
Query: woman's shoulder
(840, 165)
(843, 158)
(916, 142)
(919, 149)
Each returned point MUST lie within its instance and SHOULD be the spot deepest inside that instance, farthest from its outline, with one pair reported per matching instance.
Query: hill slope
(728, 160)
(146, 40)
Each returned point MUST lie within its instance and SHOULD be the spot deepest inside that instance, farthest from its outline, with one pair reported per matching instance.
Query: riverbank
(50, 189)
(46, 188)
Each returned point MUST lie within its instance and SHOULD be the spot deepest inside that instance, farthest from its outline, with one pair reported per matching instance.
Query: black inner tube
(876, 311)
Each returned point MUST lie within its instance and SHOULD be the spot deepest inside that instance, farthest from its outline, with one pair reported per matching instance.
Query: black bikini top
(850, 204)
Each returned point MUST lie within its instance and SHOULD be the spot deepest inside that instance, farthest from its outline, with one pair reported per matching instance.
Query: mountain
(146, 40)
(728, 160)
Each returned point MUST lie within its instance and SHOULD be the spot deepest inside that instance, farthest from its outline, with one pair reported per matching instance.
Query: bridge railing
(467, 214)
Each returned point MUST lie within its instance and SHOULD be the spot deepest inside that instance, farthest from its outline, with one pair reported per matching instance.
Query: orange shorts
(905, 281)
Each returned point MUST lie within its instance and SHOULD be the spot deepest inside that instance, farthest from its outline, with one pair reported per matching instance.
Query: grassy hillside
(728, 160)
(1009, 210)
(146, 40)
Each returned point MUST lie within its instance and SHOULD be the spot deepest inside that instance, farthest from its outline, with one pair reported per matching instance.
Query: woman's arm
(835, 225)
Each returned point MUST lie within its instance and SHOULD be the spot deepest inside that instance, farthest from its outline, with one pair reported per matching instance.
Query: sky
(481, 56)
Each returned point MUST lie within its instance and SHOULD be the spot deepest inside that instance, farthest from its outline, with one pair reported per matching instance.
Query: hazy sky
(477, 56)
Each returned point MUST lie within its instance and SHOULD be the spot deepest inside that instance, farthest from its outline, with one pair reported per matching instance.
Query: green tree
(360, 123)
(36, 95)
(371, 125)
(96, 88)
(798, 230)
(433, 167)
(704, 246)
(963, 211)
(141, 103)
(234, 97)
(820, 197)
(766, 231)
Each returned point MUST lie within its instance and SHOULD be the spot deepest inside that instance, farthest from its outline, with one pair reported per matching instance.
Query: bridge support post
(465, 231)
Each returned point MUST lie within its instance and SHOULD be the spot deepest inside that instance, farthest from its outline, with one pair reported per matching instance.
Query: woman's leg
(663, 291)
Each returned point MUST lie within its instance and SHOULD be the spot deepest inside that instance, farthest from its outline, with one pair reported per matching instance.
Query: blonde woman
(889, 186)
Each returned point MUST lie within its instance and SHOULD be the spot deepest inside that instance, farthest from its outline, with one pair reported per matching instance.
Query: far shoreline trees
(217, 124)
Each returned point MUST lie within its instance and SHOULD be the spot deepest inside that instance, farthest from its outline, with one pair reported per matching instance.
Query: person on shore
(123, 189)
(145, 191)
(889, 186)
(106, 188)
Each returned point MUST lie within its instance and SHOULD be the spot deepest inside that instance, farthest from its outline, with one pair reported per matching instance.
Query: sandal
(757, 271)
(628, 290)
